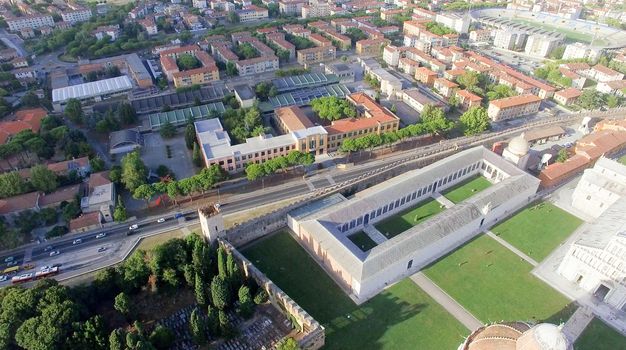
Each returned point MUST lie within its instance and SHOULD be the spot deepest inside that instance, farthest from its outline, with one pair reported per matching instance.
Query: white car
(46, 267)
(133, 227)
(101, 235)
(4, 278)
(8, 259)
(55, 252)
(161, 220)
(77, 241)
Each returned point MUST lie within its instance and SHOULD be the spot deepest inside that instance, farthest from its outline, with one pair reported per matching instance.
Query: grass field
(494, 284)
(572, 35)
(401, 317)
(466, 189)
(403, 221)
(362, 240)
(538, 229)
(599, 336)
(622, 160)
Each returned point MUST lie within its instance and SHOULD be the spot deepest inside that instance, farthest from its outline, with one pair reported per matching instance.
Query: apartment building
(425, 76)
(291, 7)
(315, 55)
(451, 20)
(316, 8)
(567, 96)
(208, 72)
(297, 30)
(580, 50)
(372, 118)
(603, 74)
(77, 15)
(343, 42)
(480, 36)
(541, 45)
(113, 32)
(319, 40)
(445, 87)
(371, 47)
(278, 39)
(252, 13)
(513, 107)
(257, 65)
(509, 39)
(468, 99)
(418, 100)
(407, 65)
(16, 24)
(149, 25)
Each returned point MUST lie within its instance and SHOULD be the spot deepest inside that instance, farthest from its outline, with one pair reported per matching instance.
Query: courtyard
(401, 317)
(362, 240)
(538, 229)
(494, 284)
(403, 221)
(466, 189)
(154, 153)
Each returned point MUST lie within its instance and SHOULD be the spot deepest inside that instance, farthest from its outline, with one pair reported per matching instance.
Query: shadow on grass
(563, 315)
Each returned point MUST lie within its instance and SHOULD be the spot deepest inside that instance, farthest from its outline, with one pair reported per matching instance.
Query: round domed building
(517, 152)
(517, 336)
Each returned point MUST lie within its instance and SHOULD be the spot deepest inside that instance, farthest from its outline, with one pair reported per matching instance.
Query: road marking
(310, 184)
(330, 179)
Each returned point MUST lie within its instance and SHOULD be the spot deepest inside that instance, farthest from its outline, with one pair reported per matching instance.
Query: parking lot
(154, 153)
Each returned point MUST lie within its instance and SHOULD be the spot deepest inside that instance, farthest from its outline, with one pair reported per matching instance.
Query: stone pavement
(517, 252)
(577, 323)
(374, 234)
(443, 200)
(451, 305)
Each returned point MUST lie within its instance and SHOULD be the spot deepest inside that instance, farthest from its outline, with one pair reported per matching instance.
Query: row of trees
(41, 179)
(551, 73)
(294, 158)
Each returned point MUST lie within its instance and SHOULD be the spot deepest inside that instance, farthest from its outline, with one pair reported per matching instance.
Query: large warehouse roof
(93, 89)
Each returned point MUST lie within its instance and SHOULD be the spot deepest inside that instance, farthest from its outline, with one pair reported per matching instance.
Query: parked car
(101, 235)
(178, 215)
(133, 227)
(55, 252)
(101, 249)
(45, 267)
(77, 241)
(48, 248)
(9, 259)
(11, 263)
(161, 220)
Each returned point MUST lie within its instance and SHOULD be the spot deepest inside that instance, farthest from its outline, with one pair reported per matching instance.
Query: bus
(27, 277)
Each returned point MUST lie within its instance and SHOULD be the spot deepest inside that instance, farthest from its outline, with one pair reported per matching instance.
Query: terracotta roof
(294, 118)
(376, 115)
(446, 82)
(616, 84)
(67, 194)
(514, 101)
(598, 143)
(18, 203)
(569, 93)
(99, 179)
(26, 119)
(557, 170)
(538, 134)
(455, 72)
(467, 95)
(69, 165)
(568, 73)
(85, 220)
(576, 66)
(424, 71)
(177, 50)
(605, 70)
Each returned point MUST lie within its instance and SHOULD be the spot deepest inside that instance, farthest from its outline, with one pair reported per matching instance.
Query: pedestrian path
(446, 301)
(443, 200)
(310, 185)
(374, 234)
(517, 252)
(330, 179)
(577, 323)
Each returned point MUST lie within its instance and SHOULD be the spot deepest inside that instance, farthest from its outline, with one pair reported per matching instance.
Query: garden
(466, 189)
(403, 221)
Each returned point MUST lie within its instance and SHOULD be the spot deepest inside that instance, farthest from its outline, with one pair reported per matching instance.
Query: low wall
(314, 335)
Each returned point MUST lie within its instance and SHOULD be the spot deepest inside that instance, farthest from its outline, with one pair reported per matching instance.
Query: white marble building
(600, 187)
(324, 229)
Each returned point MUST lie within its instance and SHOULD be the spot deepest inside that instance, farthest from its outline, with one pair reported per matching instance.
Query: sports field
(494, 284)
(466, 189)
(401, 317)
(403, 221)
(538, 229)
(599, 336)
(362, 240)
(571, 34)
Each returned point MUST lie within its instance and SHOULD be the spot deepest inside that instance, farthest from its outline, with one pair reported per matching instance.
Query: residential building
(245, 96)
(445, 87)
(418, 100)
(278, 39)
(580, 50)
(615, 87)
(291, 7)
(27, 33)
(297, 30)
(603, 74)
(77, 15)
(207, 73)
(149, 25)
(113, 32)
(319, 40)
(101, 196)
(468, 99)
(567, 96)
(252, 13)
(8, 54)
(371, 47)
(16, 24)
(513, 107)
(315, 55)
(316, 8)
(86, 222)
(408, 66)
(509, 39)
(25, 119)
(199, 4)
(425, 76)
(460, 24)
(19, 62)
(480, 36)
(541, 45)
(390, 85)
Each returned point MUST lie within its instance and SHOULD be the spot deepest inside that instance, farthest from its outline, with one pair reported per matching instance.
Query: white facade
(580, 50)
(199, 4)
(540, 45)
(32, 22)
(459, 23)
(82, 15)
(364, 274)
(509, 39)
(600, 187)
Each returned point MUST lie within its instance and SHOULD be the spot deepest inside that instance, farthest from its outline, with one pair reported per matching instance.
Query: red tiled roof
(85, 220)
(294, 118)
(26, 119)
(514, 101)
(569, 93)
(18, 203)
(377, 115)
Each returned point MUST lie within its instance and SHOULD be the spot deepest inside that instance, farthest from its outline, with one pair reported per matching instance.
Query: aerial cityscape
(311, 174)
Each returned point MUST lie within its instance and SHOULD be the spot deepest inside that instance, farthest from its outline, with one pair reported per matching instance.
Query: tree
(11, 184)
(74, 111)
(135, 271)
(557, 53)
(435, 121)
(96, 164)
(500, 91)
(562, 156)
(469, 80)
(120, 214)
(134, 171)
(200, 289)
(233, 17)
(613, 101)
(186, 62)
(167, 130)
(355, 34)
(221, 263)
(246, 51)
(122, 304)
(89, 335)
(333, 108)
(127, 114)
(219, 293)
(117, 339)
(288, 344)
(246, 306)
(591, 99)
(231, 69)
(474, 121)
(196, 155)
(225, 328)
(394, 109)
(190, 134)
(145, 192)
(43, 179)
(170, 277)
(260, 297)
(30, 100)
(198, 328)
(162, 337)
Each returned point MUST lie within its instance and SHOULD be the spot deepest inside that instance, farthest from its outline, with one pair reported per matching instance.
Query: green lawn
(362, 240)
(622, 160)
(466, 189)
(494, 284)
(538, 229)
(571, 34)
(401, 317)
(599, 336)
(403, 221)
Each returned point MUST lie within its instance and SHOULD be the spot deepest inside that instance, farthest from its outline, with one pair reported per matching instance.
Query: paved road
(446, 301)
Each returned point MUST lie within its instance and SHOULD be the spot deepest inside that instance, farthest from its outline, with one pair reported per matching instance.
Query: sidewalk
(441, 297)
(517, 252)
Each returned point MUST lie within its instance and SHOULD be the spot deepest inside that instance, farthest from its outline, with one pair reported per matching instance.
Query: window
(352, 223)
(414, 195)
(402, 201)
(373, 214)
(384, 209)
(419, 193)
(262, 153)
(359, 221)
(397, 203)
(379, 211)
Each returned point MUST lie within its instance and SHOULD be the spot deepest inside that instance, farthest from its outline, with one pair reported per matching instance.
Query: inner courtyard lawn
(466, 189)
(494, 284)
(403, 221)
(599, 336)
(401, 317)
(538, 229)
(362, 240)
